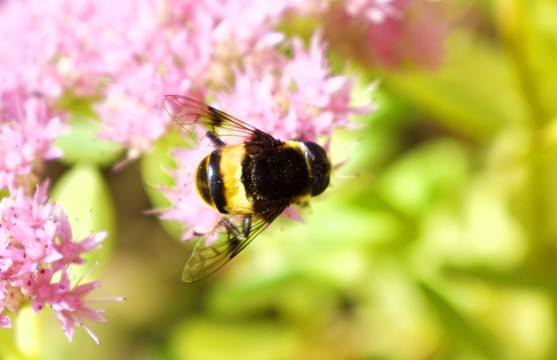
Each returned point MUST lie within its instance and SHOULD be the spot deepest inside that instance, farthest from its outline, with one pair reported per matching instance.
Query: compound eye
(319, 185)
(320, 168)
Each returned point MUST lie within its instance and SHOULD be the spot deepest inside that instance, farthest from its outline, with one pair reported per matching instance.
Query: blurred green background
(436, 240)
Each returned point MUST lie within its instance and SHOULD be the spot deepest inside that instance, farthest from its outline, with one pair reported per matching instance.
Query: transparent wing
(230, 235)
(186, 111)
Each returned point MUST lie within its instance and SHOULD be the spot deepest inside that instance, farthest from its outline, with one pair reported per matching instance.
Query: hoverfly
(250, 183)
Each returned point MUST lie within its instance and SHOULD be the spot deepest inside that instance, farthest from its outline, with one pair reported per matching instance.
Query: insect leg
(231, 230)
(215, 140)
(246, 227)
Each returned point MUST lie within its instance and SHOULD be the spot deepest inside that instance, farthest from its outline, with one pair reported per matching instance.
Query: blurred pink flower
(4, 320)
(35, 248)
(189, 47)
(83, 47)
(414, 36)
(388, 33)
(27, 133)
(375, 11)
(44, 47)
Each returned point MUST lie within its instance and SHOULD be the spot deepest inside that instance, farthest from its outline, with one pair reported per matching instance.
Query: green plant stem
(512, 21)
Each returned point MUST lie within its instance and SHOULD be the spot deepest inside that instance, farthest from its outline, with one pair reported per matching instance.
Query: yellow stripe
(231, 171)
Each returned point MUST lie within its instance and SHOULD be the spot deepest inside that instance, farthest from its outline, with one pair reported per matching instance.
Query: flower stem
(512, 20)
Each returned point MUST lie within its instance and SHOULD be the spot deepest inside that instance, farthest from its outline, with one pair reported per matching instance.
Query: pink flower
(70, 251)
(131, 113)
(128, 52)
(4, 320)
(58, 46)
(27, 133)
(72, 309)
(188, 207)
(163, 57)
(294, 98)
(246, 22)
(42, 290)
(388, 33)
(187, 49)
(44, 47)
(375, 11)
(415, 36)
(36, 247)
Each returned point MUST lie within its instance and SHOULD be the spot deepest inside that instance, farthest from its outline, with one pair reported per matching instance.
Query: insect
(250, 183)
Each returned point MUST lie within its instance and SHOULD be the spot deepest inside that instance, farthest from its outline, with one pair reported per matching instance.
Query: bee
(250, 183)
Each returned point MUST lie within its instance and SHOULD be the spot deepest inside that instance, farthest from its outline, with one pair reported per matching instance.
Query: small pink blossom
(36, 247)
(70, 251)
(72, 309)
(4, 320)
(27, 133)
(41, 288)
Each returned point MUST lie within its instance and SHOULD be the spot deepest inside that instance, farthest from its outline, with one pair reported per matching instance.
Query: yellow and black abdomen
(219, 181)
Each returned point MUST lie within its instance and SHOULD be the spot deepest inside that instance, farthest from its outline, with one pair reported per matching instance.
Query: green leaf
(432, 173)
(155, 171)
(474, 93)
(463, 333)
(27, 337)
(82, 145)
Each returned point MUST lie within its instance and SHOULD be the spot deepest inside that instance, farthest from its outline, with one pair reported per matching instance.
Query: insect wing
(186, 111)
(228, 237)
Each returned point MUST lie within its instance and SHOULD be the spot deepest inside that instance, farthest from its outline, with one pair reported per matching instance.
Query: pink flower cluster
(131, 53)
(187, 49)
(27, 132)
(128, 52)
(41, 57)
(37, 253)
